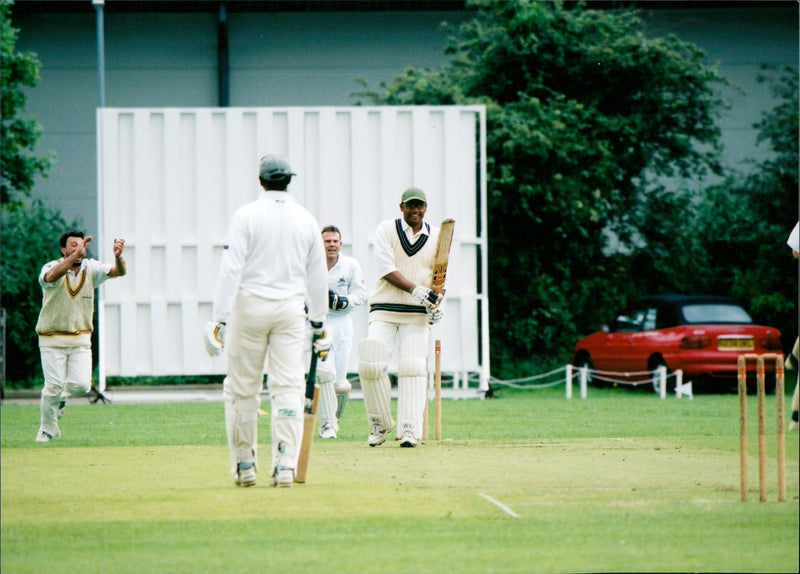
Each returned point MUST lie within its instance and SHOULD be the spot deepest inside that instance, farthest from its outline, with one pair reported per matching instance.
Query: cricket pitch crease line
(499, 505)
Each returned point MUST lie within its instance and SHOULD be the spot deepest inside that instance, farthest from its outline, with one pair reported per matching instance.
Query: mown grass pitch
(529, 482)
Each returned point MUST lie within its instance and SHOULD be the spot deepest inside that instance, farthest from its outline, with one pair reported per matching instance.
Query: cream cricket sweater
(415, 262)
(68, 305)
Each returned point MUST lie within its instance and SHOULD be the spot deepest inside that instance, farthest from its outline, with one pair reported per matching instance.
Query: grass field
(529, 482)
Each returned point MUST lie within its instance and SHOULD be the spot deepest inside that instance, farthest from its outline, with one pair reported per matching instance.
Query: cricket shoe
(282, 477)
(407, 440)
(246, 476)
(378, 435)
(62, 406)
(327, 431)
(43, 436)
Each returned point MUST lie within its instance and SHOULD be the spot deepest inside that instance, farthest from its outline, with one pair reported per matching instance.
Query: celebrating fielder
(273, 262)
(65, 324)
(401, 309)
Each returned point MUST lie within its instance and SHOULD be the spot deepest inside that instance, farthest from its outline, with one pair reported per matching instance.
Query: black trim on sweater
(397, 308)
(409, 248)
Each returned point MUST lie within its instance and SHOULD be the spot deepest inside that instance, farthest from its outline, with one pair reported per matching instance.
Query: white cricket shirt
(345, 278)
(273, 250)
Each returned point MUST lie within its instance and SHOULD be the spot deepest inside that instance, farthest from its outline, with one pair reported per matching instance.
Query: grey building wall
(300, 57)
(737, 40)
(163, 59)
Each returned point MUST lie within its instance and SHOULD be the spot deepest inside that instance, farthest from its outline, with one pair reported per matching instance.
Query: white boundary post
(662, 381)
(680, 389)
(569, 381)
(584, 378)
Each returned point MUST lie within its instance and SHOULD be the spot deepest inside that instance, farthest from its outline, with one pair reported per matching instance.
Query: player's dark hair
(69, 233)
(332, 229)
(276, 184)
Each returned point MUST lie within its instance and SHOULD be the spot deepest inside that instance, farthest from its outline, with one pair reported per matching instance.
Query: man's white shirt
(346, 279)
(274, 251)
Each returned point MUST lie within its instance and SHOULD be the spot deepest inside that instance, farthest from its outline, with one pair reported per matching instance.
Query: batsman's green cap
(273, 167)
(413, 193)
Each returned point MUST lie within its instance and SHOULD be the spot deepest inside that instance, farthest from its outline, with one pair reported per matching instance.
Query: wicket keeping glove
(425, 297)
(337, 302)
(214, 335)
(320, 342)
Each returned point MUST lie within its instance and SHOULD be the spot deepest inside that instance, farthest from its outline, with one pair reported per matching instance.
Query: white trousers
(332, 373)
(67, 370)
(275, 330)
(340, 329)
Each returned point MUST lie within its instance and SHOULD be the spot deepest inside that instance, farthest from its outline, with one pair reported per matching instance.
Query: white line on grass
(499, 505)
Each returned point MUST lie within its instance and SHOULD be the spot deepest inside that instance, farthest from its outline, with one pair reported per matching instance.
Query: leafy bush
(26, 235)
(29, 239)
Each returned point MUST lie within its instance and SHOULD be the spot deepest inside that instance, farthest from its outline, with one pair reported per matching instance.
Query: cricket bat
(440, 259)
(442, 255)
(309, 419)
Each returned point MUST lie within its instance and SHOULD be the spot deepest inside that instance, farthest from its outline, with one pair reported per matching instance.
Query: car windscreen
(714, 313)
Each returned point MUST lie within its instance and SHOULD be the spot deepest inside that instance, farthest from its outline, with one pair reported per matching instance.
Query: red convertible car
(701, 335)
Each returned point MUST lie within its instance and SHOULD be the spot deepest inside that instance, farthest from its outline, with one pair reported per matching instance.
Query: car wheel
(656, 380)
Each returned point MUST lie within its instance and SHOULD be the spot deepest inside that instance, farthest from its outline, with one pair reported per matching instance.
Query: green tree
(585, 114)
(40, 227)
(730, 239)
(18, 135)
(28, 229)
(745, 221)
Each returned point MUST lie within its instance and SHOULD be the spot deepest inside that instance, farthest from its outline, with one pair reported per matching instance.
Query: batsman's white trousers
(65, 369)
(411, 396)
(259, 328)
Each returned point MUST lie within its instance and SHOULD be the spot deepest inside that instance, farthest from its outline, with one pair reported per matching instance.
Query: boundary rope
(568, 374)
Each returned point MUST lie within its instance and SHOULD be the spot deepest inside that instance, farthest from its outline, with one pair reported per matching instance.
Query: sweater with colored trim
(415, 261)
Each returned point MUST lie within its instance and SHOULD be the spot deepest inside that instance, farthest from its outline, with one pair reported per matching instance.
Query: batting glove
(425, 297)
(320, 342)
(214, 335)
(337, 302)
(435, 315)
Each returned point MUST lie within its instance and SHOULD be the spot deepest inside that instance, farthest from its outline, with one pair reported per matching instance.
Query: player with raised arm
(65, 324)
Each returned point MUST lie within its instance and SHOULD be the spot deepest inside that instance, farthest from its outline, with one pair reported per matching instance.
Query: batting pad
(286, 423)
(373, 358)
(375, 385)
(411, 404)
(326, 372)
(412, 384)
(242, 429)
